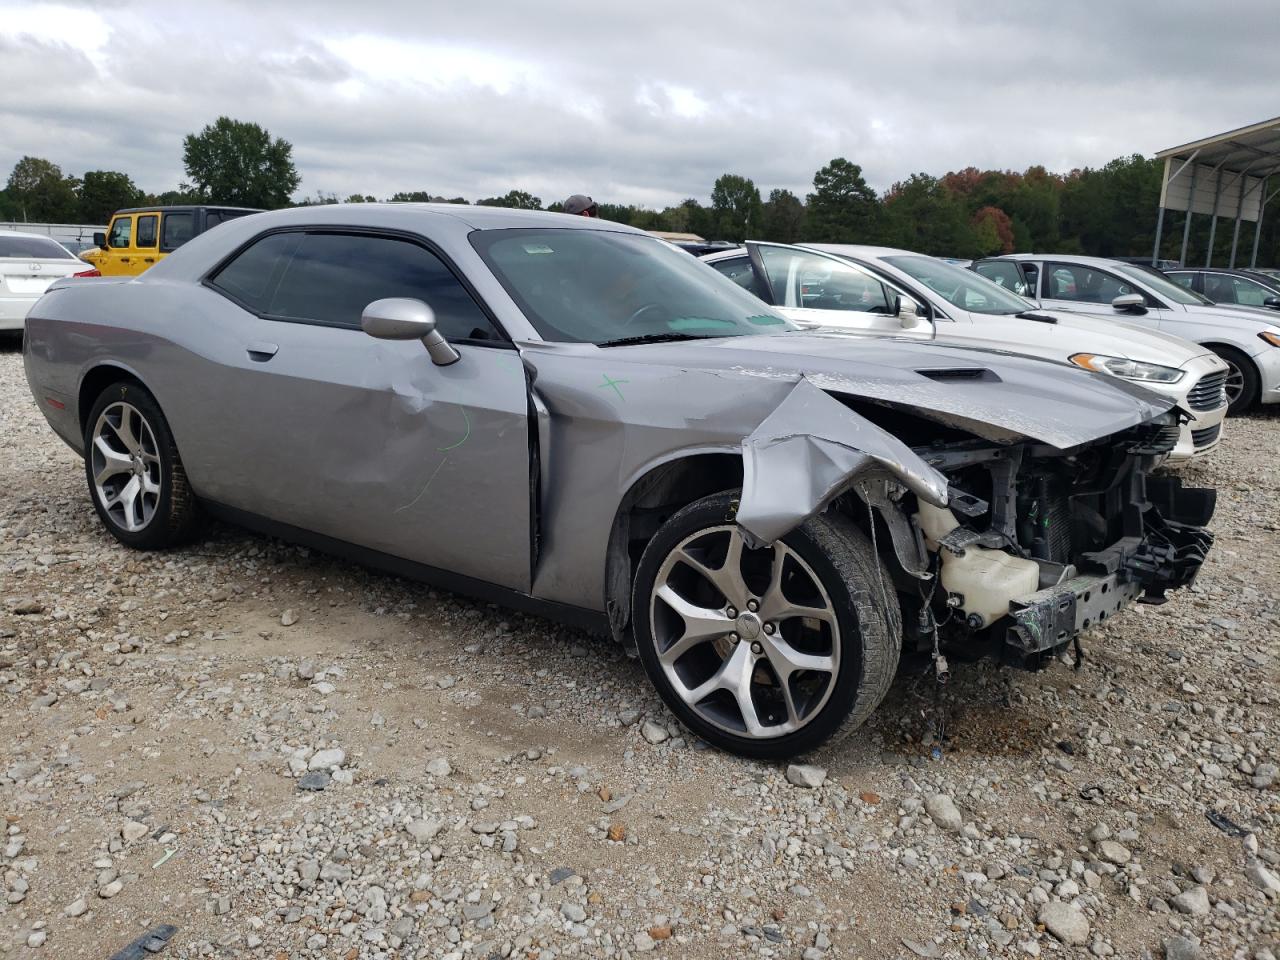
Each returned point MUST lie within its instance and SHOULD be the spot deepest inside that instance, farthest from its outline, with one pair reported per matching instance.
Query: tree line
(1104, 211)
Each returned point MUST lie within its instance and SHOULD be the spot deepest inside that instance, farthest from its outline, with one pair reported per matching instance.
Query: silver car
(604, 430)
(860, 288)
(1248, 339)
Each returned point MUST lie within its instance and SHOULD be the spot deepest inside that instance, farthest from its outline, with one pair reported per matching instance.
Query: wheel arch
(95, 380)
(651, 498)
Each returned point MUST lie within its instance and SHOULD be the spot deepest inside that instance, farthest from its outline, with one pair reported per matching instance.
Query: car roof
(861, 250)
(180, 207)
(1058, 258)
(392, 214)
(29, 236)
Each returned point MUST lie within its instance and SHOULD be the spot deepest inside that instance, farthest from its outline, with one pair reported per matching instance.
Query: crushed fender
(810, 450)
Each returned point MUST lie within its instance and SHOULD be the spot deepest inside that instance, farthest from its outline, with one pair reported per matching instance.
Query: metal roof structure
(1225, 175)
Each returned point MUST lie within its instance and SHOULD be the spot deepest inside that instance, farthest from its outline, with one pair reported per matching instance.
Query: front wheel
(136, 478)
(765, 653)
(1242, 383)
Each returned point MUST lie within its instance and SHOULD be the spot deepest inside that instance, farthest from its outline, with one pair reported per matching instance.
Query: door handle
(148, 259)
(261, 352)
(124, 259)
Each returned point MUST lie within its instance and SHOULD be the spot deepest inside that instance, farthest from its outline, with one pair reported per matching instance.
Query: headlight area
(1271, 336)
(1127, 369)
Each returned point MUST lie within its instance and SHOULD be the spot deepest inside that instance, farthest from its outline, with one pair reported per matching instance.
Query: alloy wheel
(126, 467)
(748, 639)
(1234, 385)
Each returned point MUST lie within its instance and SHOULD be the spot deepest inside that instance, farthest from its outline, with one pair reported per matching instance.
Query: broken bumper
(1168, 557)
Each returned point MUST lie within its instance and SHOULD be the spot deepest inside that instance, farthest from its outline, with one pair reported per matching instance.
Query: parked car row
(595, 426)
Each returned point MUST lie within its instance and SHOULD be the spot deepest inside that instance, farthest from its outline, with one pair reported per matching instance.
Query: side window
(176, 229)
(251, 277)
(331, 277)
(214, 217)
(121, 232)
(1182, 279)
(147, 224)
(1004, 273)
(740, 271)
(1082, 284)
(821, 283)
(1249, 293)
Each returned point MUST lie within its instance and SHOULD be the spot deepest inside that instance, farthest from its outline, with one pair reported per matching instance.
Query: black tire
(866, 608)
(1250, 382)
(176, 513)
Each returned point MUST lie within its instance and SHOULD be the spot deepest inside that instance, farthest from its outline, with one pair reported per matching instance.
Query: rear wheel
(766, 653)
(135, 476)
(1242, 380)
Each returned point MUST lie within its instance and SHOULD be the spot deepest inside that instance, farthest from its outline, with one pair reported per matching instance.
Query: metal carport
(1223, 175)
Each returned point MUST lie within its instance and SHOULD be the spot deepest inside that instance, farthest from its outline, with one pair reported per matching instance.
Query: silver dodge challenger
(577, 419)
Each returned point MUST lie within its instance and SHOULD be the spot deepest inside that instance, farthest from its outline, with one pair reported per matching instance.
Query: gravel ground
(286, 756)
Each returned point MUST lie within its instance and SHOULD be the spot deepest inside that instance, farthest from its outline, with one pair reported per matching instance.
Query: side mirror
(100, 240)
(1130, 303)
(400, 318)
(1272, 303)
(907, 311)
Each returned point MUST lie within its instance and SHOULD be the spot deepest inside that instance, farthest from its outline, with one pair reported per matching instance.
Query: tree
(412, 196)
(361, 198)
(783, 217)
(842, 208)
(103, 192)
(921, 214)
(515, 199)
(993, 231)
(39, 192)
(231, 161)
(738, 212)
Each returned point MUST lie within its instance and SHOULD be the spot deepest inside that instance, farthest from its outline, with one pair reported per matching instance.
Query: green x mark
(613, 383)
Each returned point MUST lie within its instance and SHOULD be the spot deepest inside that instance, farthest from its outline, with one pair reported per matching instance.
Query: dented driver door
(368, 442)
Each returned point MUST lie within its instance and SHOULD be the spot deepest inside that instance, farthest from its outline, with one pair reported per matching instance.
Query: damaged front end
(1012, 546)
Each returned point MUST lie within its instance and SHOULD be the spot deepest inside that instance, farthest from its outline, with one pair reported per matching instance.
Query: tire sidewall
(1252, 382)
(716, 511)
(157, 532)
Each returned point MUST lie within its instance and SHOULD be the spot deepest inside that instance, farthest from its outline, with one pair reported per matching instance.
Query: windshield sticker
(535, 248)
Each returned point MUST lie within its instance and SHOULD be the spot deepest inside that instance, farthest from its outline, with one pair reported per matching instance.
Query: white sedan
(29, 262)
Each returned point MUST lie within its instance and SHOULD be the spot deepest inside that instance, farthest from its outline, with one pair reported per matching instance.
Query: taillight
(94, 272)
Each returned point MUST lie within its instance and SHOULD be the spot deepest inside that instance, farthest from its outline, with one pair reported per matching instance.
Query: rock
(288, 618)
(560, 874)
(37, 938)
(335, 871)
(925, 949)
(439, 767)
(133, 830)
(1180, 948)
(1065, 922)
(1113, 852)
(1263, 879)
(628, 716)
(1194, 902)
(76, 907)
(654, 732)
(306, 670)
(111, 889)
(942, 811)
(617, 832)
(27, 607)
(315, 781)
(806, 775)
(1264, 775)
(424, 831)
(327, 759)
(572, 912)
(643, 942)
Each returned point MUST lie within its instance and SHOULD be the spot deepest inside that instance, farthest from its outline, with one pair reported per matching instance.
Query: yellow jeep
(141, 236)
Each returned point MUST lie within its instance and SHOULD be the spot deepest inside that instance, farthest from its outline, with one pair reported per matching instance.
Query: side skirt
(578, 617)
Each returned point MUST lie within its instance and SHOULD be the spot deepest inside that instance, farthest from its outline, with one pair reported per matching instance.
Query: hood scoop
(960, 374)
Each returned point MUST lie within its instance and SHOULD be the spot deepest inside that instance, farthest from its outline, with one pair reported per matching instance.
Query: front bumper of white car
(1202, 391)
(1268, 362)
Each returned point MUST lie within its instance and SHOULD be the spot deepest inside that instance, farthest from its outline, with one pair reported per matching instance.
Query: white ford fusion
(880, 290)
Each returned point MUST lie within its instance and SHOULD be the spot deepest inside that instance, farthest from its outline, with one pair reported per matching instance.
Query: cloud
(644, 103)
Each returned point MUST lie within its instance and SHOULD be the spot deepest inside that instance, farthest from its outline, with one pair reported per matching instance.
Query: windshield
(31, 248)
(594, 286)
(1159, 283)
(960, 287)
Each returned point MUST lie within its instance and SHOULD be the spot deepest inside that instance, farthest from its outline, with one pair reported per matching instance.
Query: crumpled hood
(994, 394)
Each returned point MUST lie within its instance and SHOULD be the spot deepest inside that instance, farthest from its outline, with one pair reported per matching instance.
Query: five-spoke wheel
(767, 652)
(135, 475)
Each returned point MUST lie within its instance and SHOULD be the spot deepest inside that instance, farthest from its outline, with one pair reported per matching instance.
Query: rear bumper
(1167, 557)
(14, 310)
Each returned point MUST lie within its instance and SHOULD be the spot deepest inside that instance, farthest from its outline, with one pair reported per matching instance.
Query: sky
(647, 103)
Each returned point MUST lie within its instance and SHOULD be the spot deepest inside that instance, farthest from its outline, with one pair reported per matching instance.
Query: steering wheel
(640, 312)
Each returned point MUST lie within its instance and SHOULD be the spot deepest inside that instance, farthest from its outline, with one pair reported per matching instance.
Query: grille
(1153, 438)
(1209, 393)
(1202, 438)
